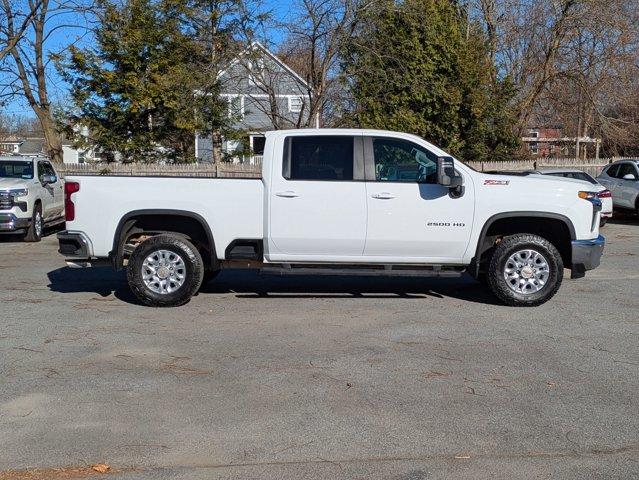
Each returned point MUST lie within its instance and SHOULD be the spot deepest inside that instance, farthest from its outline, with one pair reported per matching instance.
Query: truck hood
(591, 186)
(535, 180)
(9, 183)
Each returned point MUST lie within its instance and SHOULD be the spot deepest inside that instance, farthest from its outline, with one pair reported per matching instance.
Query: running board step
(383, 271)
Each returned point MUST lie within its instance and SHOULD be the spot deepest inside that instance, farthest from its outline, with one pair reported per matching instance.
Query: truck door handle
(383, 196)
(287, 194)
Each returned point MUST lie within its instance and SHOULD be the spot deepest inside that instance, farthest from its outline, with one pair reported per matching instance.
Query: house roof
(32, 146)
(257, 45)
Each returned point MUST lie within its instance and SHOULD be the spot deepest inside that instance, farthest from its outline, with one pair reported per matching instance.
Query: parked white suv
(622, 179)
(31, 196)
(339, 202)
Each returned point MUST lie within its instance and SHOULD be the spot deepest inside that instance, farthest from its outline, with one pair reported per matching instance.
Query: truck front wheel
(525, 270)
(165, 271)
(34, 233)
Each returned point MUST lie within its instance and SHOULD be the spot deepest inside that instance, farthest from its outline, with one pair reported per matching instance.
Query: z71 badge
(496, 182)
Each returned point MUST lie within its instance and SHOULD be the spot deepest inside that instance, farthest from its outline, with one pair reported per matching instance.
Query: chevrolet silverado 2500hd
(337, 202)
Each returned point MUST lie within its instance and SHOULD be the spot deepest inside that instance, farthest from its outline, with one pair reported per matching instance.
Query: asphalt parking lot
(318, 377)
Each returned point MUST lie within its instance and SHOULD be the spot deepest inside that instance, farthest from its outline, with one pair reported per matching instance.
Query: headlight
(20, 192)
(587, 195)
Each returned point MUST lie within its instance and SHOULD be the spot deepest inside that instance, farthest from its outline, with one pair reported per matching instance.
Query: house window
(534, 148)
(295, 104)
(236, 107)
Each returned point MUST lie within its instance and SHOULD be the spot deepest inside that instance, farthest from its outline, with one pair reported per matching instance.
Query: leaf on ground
(100, 468)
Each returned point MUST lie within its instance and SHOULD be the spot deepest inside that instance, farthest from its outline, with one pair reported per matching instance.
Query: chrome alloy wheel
(163, 272)
(38, 224)
(526, 271)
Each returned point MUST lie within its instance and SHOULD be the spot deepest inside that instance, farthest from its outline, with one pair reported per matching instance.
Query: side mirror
(47, 179)
(446, 174)
(629, 176)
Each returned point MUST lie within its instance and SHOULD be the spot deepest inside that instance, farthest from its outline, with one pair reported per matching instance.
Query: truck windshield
(16, 169)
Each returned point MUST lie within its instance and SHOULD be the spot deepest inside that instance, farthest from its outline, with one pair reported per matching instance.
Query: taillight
(605, 194)
(69, 208)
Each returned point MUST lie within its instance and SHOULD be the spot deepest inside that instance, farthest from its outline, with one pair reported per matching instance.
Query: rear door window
(319, 158)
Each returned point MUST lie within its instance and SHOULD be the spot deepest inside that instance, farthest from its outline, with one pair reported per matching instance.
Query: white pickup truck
(337, 202)
(31, 196)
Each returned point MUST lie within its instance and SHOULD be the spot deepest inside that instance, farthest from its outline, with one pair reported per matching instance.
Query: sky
(70, 28)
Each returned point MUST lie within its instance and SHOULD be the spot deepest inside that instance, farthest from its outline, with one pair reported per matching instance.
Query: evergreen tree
(419, 66)
(139, 89)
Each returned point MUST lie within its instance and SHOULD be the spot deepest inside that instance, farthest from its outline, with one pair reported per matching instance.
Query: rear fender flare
(117, 256)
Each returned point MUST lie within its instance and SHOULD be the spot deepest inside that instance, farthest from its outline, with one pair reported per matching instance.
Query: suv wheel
(525, 270)
(165, 271)
(34, 233)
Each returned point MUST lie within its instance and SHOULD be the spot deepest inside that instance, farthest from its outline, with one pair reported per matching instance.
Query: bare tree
(315, 37)
(525, 39)
(27, 67)
(223, 28)
(570, 60)
(14, 22)
(599, 77)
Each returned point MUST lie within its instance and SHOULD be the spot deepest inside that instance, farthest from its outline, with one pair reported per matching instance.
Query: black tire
(193, 271)
(34, 234)
(603, 221)
(507, 247)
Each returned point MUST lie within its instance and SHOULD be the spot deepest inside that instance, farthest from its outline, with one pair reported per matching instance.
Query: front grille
(6, 201)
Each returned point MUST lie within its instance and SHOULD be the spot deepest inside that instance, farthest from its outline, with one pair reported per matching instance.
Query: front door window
(399, 160)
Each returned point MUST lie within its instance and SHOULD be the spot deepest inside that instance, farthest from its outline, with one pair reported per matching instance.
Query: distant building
(544, 142)
(10, 145)
(263, 93)
(35, 146)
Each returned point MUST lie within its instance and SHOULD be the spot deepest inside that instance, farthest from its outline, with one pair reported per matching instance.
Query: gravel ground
(317, 377)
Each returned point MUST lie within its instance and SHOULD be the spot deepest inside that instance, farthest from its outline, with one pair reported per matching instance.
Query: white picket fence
(254, 170)
(591, 166)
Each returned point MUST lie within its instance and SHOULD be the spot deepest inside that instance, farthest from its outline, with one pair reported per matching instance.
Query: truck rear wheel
(525, 270)
(165, 271)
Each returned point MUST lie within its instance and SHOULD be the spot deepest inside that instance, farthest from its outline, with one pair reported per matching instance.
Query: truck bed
(233, 207)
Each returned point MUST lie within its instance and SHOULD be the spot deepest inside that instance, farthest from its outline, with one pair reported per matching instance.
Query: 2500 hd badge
(445, 224)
